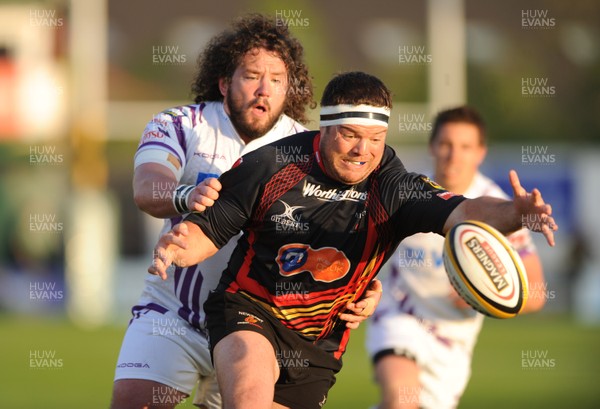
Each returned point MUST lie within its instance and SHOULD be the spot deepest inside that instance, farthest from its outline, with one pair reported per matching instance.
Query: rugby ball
(485, 270)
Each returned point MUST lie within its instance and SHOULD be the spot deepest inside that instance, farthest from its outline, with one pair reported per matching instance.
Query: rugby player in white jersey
(422, 335)
(252, 88)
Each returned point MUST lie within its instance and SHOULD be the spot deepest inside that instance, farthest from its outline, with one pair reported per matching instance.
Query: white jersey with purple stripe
(417, 283)
(195, 142)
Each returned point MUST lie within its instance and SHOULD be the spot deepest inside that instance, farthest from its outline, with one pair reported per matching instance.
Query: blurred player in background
(318, 226)
(422, 335)
(252, 88)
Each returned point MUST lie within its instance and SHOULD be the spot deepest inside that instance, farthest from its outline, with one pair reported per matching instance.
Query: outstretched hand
(535, 213)
(167, 249)
(365, 307)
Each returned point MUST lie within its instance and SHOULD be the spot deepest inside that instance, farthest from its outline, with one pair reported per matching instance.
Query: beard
(246, 127)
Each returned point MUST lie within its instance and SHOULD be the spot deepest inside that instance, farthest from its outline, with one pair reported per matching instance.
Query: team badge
(326, 264)
(431, 183)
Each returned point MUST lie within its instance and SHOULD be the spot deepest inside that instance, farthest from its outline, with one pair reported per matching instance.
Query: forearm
(199, 247)
(185, 245)
(155, 185)
(496, 212)
(155, 197)
(153, 189)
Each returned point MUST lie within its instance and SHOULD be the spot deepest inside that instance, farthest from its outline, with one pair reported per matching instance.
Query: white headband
(354, 115)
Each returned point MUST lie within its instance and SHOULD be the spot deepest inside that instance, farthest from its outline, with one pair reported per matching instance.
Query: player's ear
(223, 85)
(430, 148)
(482, 154)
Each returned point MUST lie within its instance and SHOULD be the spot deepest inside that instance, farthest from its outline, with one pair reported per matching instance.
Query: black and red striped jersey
(312, 244)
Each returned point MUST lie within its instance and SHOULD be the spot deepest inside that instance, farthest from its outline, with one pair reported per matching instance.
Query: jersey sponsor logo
(151, 135)
(326, 264)
(250, 319)
(332, 195)
(287, 221)
(205, 155)
(133, 365)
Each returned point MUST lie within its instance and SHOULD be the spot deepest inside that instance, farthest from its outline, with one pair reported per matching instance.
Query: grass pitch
(528, 362)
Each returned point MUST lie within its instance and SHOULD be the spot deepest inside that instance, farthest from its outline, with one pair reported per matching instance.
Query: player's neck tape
(354, 115)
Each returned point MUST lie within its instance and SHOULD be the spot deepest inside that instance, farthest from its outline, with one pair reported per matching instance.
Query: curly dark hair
(225, 51)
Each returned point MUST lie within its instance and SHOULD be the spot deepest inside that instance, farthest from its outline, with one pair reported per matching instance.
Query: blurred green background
(78, 82)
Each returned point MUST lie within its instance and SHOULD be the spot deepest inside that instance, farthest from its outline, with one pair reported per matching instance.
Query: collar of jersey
(316, 143)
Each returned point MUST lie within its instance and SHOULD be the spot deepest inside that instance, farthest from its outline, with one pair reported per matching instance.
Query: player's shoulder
(482, 185)
(303, 139)
(391, 167)
(290, 126)
(390, 162)
(263, 163)
(281, 152)
(173, 113)
(284, 127)
(302, 142)
(190, 114)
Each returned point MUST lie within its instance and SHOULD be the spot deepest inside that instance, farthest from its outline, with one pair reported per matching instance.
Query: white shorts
(444, 369)
(166, 349)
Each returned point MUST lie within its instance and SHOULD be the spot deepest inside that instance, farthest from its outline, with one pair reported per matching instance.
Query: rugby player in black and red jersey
(245, 98)
(321, 212)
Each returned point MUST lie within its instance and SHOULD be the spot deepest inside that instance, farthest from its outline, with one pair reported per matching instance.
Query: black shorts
(306, 371)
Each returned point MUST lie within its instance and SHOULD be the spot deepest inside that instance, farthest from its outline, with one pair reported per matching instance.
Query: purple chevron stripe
(178, 126)
(164, 145)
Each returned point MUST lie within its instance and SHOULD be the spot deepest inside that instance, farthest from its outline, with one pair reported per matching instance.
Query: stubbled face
(254, 98)
(351, 152)
(457, 152)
